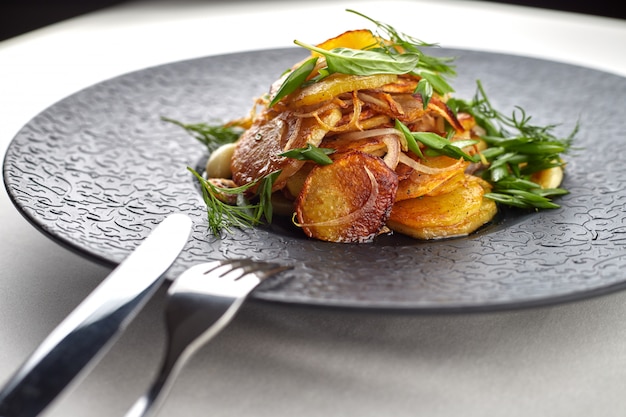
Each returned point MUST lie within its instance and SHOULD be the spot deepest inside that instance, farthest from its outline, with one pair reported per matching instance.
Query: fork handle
(178, 353)
(146, 404)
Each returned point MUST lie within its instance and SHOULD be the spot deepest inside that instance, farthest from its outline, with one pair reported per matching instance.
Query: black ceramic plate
(99, 169)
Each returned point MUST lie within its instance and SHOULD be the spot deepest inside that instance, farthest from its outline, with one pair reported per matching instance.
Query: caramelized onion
(393, 151)
(426, 169)
(369, 133)
(373, 100)
(391, 138)
(353, 124)
(443, 110)
(332, 104)
(383, 102)
(293, 135)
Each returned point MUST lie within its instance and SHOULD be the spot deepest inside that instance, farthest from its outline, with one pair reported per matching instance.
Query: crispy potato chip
(348, 200)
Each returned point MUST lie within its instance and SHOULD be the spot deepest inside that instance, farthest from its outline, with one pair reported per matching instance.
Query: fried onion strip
(404, 159)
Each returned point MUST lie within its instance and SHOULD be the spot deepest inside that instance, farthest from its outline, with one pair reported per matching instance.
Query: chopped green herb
(433, 69)
(364, 62)
(294, 80)
(424, 89)
(403, 55)
(411, 142)
(517, 149)
(442, 146)
(310, 153)
(438, 145)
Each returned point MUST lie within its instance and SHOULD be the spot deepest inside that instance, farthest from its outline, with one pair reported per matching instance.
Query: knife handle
(95, 323)
(41, 379)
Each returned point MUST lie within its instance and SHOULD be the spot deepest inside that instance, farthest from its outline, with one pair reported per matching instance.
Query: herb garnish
(517, 149)
(221, 215)
(401, 55)
(439, 145)
(432, 69)
(294, 80)
(364, 62)
(211, 136)
(310, 153)
(436, 144)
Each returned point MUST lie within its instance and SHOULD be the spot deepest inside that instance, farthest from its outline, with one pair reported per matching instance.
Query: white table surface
(275, 360)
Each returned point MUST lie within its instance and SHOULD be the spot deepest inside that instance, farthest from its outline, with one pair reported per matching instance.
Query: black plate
(99, 169)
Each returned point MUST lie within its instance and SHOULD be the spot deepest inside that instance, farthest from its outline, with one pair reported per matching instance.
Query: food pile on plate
(362, 138)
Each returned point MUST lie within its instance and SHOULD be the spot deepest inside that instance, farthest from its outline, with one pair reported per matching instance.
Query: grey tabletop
(277, 359)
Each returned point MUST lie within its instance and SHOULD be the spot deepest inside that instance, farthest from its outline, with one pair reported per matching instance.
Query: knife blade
(86, 333)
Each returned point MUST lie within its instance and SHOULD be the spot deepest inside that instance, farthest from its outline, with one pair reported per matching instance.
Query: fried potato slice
(466, 120)
(457, 213)
(354, 39)
(406, 83)
(373, 145)
(379, 120)
(336, 84)
(418, 184)
(348, 200)
(258, 150)
(447, 186)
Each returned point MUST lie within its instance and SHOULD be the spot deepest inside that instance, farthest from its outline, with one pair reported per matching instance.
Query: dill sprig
(211, 136)
(223, 216)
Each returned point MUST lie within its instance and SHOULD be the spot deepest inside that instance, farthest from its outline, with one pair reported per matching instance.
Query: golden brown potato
(336, 84)
(257, 152)
(448, 185)
(457, 213)
(467, 120)
(355, 39)
(373, 145)
(406, 83)
(379, 120)
(223, 184)
(418, 184)
(348, 200)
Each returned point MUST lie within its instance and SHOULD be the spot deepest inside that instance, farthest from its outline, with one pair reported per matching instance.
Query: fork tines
(243, 267)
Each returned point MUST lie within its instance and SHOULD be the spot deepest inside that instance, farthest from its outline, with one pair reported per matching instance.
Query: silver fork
(201, 302)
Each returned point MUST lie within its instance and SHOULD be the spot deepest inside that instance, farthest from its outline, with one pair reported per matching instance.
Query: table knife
(86, 333)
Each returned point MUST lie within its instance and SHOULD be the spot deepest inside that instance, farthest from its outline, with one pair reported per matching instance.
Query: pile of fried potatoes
(374, 184)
